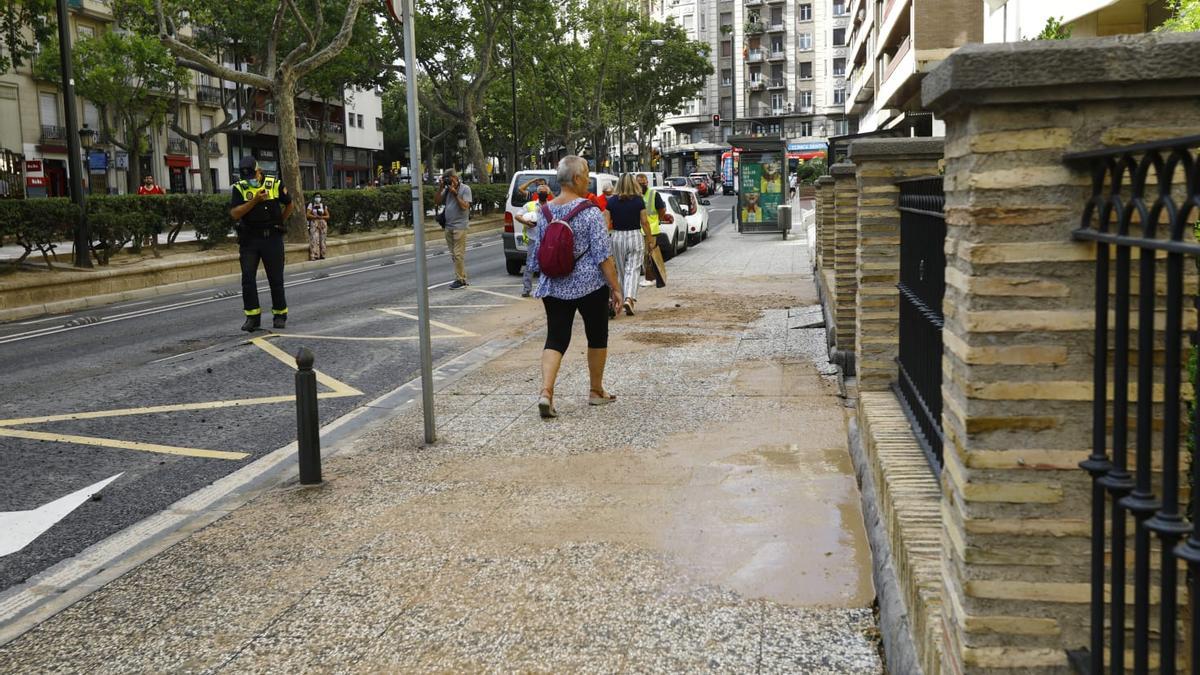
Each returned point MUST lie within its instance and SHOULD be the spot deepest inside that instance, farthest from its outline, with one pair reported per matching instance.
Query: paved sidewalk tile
(707, 520)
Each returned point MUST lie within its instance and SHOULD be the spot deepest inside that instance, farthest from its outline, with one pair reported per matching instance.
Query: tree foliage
(1054, 29)
(1185, 16)
(24, 24)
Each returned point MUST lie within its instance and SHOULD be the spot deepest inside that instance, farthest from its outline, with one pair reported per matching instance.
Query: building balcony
(755, 28)
(899, 69)
(777, 84)
(804, 110)
(758, 85)
(776, 28)
(214, 148)
(754, 56)
(753, 3)
(209, 95)
(777, 56)
(52, 133)
(778, 112)
(177, 146)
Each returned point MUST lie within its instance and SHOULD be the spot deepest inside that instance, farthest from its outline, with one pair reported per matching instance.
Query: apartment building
(893, 43)
(780, 63)
(33, 130)
(1015, 20)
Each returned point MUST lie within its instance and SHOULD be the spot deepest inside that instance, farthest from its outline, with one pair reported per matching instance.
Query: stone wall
(845, 263)
(880, 163)
(1017, 363)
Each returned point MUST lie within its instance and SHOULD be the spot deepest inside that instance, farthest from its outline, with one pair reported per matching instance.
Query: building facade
(1016, 20)
(780, 70)
(33, 130)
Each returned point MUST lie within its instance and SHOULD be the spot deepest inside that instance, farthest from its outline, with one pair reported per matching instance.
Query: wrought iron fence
(1145, 199)
(922, 285)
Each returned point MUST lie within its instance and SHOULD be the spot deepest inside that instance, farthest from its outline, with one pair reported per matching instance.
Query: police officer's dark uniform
(260, 237)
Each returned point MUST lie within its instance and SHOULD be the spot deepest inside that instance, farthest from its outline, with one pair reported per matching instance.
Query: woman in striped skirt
(631, 238)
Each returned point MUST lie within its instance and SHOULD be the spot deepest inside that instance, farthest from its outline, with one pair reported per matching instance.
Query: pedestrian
(528, 225)
(456, 196)
(631, 236)
(261, 206)
(793, 180)
(149, 187)
(318, 227)
(656, 209)
(590, 288)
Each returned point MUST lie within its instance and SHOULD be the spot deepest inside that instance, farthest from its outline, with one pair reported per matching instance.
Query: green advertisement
(761, 187)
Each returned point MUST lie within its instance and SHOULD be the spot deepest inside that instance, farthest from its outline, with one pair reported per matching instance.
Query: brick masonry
(845, 263)
(882, 162)
(1017, 363)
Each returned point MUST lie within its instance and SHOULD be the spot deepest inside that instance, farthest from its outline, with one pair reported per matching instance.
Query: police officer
(261, 205)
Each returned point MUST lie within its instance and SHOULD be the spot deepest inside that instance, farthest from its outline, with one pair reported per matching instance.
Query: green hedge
(117, 221)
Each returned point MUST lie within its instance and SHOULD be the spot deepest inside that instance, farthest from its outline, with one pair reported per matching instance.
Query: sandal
(603, 399)
(546, 408)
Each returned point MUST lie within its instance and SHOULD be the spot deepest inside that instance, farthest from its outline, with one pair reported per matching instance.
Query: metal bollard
(308, 433)
(785, 219)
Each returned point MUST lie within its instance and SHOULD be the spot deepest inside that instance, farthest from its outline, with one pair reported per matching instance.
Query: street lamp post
(86, 136)
(83, 254)
(512, 55)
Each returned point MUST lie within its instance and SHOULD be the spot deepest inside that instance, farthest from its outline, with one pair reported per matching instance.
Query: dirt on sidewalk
(708, 519)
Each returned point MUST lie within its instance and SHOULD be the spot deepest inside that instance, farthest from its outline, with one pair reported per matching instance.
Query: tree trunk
(289, 156)
(321, 147)
(475, 148)
(132, 179)
(206, 185)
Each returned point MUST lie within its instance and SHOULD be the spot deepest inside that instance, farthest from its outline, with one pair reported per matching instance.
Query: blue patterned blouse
(591, 247)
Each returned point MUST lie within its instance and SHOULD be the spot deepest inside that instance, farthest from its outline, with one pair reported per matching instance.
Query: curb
(101, 300)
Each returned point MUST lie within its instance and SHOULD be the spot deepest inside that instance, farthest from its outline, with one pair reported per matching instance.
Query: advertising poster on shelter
(761, 187)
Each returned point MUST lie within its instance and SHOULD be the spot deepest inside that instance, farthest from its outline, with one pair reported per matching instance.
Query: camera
(446, 181)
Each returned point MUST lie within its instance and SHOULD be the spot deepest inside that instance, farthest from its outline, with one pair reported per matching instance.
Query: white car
(694, 209)
(673, 237)
(515, 245)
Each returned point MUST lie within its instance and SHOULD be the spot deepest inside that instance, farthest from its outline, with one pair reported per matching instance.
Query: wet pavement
(709, 519)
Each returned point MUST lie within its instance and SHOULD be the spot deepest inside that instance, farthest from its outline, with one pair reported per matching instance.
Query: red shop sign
(33, 166)
(35, 181)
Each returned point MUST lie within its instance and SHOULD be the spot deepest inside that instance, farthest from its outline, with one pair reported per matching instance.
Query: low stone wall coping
(825, 180)
(897, 148)
(843, 169)
(1123, 66)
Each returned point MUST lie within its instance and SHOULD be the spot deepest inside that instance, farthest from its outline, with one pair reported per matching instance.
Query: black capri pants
(560, 314)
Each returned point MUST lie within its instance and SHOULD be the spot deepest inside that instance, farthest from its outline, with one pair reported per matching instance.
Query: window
(806, 128)
(688, 23)
(726, 77)
(773, 128)
(805, 41)
(360, 122)
(839, 37)
(776, 16)
(776, 74)
(839, 96)
(726, 107)
(776, 46)
(839, 7)
(91, 116)
(756, 75)
(806, 70)
(839, 67)
(841, 127)
(697, 135)
(83, 31)
(726, 49)
(776, 102)
(806, 99)
(726, 19)
(206, 123)
(806, 12)
(378, 124)
(48, 105)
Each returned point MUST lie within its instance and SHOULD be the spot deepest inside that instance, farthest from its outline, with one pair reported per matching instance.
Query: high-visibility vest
(651, 212)
(247, 191)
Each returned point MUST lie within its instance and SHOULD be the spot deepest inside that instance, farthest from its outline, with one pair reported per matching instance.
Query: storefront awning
(178, 161)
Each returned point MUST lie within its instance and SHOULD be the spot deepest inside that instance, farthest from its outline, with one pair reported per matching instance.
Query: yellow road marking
(502, 295)
(397, 338)
(459, 306)
(125, 445)
(336, 385)
(439, 324)
(149, 410)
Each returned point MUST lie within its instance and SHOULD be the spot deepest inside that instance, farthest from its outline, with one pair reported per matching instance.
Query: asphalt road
(173, 396)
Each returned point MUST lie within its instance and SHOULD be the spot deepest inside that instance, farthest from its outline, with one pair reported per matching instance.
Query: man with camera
(260, 205)
(455, 196)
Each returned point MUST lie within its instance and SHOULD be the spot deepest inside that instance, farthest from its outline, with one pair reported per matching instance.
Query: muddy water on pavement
(767, 506)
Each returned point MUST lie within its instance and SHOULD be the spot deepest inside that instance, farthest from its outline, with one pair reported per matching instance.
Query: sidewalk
(709, 519)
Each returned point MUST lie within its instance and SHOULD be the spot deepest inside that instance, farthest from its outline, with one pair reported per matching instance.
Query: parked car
(678, 181)
(515, 248)
(703, 182)
(695, 210)
(672, 238)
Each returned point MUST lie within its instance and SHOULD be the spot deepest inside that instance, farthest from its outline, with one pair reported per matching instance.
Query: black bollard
(307, 432)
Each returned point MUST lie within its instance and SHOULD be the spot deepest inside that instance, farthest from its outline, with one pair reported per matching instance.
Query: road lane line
(337, 386)
(502, 295)
(413, 307)
(123, 445)
(439, 324)
(49, 318)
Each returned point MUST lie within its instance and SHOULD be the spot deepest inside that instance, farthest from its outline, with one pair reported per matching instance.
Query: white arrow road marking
(19, 529)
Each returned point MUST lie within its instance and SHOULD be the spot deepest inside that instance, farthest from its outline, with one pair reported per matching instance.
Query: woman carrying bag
(631, 238)
(318, 227)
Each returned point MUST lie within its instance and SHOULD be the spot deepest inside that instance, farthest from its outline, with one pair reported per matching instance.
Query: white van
(522, 183)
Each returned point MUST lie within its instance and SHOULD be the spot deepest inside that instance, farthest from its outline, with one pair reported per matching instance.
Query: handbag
(441, 218)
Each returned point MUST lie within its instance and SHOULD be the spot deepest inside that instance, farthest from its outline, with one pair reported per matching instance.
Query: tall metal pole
(735, 65)
(414, 152)
(512, 55)
(621, 133)
(83, 243)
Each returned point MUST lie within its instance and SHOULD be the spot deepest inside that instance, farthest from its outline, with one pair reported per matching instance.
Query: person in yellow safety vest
(529, 222)
(260, 205)
(655, 210)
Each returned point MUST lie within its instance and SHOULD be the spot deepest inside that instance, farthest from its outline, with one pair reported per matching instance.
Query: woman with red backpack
(571, 251)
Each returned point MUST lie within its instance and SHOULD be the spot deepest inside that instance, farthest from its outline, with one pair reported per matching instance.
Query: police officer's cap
(247, 167)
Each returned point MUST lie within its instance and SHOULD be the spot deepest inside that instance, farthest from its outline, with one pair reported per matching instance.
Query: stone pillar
(824, 217)
(845, 282)
(1019, 304)
(882, 162)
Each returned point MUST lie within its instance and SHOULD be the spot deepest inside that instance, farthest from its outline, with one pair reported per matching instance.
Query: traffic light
(716, 120)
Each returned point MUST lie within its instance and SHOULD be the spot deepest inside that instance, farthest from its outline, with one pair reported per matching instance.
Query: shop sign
(33, 166)
(35, 181)
(809, 146)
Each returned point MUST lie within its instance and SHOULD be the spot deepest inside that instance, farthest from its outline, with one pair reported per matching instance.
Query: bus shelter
(762, 191)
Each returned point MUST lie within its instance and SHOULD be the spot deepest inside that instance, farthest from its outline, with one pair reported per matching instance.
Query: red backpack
(556, 250)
